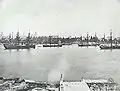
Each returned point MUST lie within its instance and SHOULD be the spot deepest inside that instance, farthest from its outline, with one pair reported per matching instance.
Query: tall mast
(18, 38)
(81, 39)
(111, 38)
(96, 38)
(50, 39)
(9, 37)
(87, 38)
(29, 37)
(104, 38)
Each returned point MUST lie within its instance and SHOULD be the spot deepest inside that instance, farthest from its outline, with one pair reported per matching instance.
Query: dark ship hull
(109, 47)
(87, 45)
(48, 45)
(84, 45)
(10, 46)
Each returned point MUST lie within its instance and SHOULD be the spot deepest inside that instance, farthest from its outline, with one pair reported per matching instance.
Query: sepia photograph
(59, 45)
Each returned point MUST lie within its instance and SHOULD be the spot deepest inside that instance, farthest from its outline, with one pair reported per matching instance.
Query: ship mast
(10, 38)
(18, 38)
(96, 41)
(111, 38)
(104, 39)
(50, 37)
(87, 38)
(28, 38)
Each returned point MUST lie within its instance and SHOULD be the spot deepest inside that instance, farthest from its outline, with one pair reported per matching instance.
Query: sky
(60, 17)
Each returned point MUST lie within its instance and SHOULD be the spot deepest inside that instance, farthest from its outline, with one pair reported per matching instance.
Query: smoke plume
(61, 68)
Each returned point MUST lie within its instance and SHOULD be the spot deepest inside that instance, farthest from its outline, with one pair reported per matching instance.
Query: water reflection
(48, 63)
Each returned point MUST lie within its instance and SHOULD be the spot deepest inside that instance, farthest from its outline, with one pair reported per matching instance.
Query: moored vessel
(89, 41)
(19, 45)
(110, 45)
(13, 46)
(50, 44)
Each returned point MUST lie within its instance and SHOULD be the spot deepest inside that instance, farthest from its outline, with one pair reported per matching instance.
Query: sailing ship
(88, 42)
(111, 45)
(85, 44)
(17, 45)
(53, 45)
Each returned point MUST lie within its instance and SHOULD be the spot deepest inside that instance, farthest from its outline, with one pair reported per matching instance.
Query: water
(49, 63)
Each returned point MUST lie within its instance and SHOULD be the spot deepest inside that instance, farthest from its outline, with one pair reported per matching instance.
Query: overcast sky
(61, 17)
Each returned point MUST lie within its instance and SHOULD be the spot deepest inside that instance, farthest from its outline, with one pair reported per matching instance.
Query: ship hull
(52, 45)
(109, 47)
(18, 46)
(84, 45)
(87, 45)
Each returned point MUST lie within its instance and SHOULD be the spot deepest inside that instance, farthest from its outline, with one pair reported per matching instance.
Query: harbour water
(48, 63)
